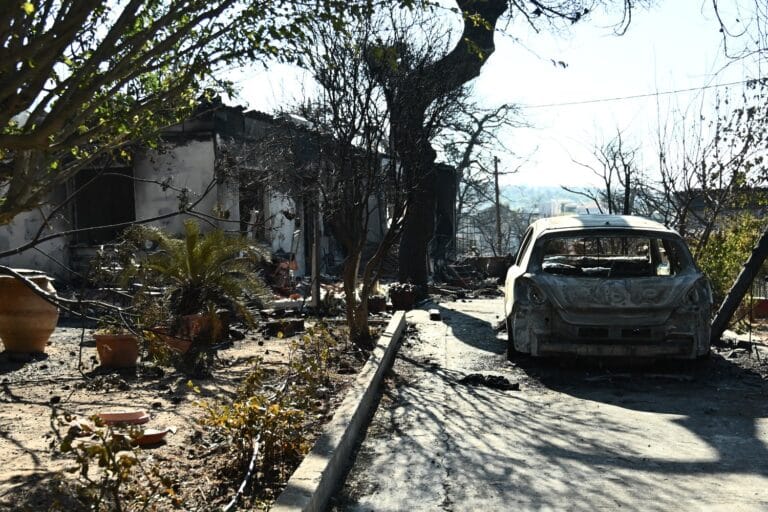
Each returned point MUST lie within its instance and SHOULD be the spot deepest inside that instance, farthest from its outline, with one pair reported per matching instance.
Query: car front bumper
(675, 348)
(543, 332)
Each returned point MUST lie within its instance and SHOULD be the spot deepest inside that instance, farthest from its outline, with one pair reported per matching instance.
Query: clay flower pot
(126, 417)
(377, 303)
(117, 350)
(163, 339)
(403, 296)
(152, 436)
(201, 325)
(26, 319)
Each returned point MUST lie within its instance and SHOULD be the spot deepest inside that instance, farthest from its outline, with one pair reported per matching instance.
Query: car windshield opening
(617, 256)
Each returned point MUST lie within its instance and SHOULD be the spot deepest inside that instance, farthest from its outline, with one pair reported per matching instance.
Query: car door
(516, 270)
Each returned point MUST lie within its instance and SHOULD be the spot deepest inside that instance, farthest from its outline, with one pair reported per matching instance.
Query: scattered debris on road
(491, 381)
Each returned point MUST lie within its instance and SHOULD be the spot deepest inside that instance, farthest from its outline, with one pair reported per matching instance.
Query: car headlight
(698, 293)
(528, 290)
(535, 295)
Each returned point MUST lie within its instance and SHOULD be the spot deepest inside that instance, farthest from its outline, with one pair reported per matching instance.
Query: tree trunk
(357, 313)
(409, 95)
(315, 285)
(417, 231)
(740, 287)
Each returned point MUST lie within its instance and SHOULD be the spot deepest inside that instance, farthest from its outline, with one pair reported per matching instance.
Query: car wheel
(511, 352)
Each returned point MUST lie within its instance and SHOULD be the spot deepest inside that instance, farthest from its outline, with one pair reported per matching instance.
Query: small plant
(403, 295)
(726, 251)
(111, 324)
(198, 270)
(402, 288)
(107, 463)
(276, 414)
(199, 275)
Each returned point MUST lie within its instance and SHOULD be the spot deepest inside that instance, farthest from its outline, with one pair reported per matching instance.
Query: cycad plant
(200, 273)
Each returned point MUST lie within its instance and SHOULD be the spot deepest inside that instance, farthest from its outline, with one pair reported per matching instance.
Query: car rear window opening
(611, 256)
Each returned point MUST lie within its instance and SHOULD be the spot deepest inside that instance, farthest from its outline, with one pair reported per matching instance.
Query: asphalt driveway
(575, 436)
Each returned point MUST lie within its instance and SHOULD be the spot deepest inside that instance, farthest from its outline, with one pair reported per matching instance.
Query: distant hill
(529, 198)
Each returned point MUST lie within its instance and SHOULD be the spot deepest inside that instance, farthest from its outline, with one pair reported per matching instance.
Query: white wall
(189, 165)
(21, 230)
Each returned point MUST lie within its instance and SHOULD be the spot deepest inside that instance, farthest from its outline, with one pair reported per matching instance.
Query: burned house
(212, 166)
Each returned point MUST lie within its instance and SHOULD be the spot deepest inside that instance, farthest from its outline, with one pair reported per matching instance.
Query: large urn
(26, 319)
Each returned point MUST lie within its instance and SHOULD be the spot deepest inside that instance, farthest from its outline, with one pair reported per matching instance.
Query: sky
(674, 45)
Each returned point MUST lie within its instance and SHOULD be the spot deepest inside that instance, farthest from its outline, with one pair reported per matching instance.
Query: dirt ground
(33, 391)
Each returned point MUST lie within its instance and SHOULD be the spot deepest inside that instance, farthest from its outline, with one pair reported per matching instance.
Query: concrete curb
(317, 478)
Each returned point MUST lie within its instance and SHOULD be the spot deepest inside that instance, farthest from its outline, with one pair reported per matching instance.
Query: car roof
(598, 222)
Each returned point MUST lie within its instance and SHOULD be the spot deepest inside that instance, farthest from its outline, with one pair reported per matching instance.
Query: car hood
(602, 301)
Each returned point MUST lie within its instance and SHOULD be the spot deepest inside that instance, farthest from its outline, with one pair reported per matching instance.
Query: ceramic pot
(152, 436)
(135, 417)
(117, 350)
(402, 299)
(201, 326)
(26, 319)
(173, 343)
(377, 304)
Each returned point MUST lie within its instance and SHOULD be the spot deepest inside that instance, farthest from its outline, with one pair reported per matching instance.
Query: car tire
(511, 352)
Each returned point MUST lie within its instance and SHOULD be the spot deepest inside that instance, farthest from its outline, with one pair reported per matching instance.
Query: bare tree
(513, 226)
(469, 142)
(358, 173)
(742, 26)
(338, 163)
(412, 87)
(706, 166)
(616, 165)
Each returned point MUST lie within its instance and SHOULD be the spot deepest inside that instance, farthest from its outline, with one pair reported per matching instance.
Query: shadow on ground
(580, 435)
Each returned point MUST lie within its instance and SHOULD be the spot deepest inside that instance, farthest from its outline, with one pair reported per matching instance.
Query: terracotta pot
(117, 350)
(377, 304)
(201, 326)
(193, 326)
(152, 436)
(26, 320)
(174, 343)
(402, 299)
(130, 417)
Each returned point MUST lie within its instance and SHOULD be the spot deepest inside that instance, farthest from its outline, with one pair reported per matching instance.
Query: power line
(635, 96)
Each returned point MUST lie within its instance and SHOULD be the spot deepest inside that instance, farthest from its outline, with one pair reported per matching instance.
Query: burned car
(606, 285)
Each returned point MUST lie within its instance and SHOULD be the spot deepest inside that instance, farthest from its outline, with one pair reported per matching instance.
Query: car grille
(627, 333)
(593, 332)
(636, 333)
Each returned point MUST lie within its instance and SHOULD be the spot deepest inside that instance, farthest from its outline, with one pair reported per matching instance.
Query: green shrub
(727, 250)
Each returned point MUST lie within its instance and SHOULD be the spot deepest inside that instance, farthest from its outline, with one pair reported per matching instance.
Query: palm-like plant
(200, 271)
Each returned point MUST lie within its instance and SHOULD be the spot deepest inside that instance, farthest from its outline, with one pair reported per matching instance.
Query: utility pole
(498, 206)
